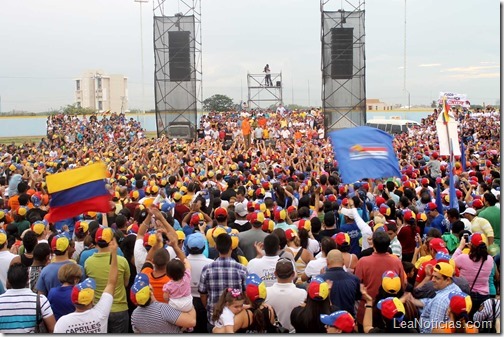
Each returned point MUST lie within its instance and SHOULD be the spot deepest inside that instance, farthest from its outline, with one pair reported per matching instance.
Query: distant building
(94, 89)
(374, 104)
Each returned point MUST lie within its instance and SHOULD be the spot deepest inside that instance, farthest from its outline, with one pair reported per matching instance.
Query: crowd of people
(250, 229)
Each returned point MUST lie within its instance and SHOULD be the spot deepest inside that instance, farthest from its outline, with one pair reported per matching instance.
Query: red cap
(379, 201)
(344, 202)
(425, 182)
(430, 206)
(477, 204)
(435, 155)
(220, 212)
(438, 245)
(476, 239)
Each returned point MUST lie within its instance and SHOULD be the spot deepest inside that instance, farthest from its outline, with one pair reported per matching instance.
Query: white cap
(469, 210)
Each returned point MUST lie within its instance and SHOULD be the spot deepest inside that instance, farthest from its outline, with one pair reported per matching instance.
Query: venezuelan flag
(77, 191)
(446, 109)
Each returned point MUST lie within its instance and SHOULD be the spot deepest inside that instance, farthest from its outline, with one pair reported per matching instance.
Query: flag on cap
(364, 152)
(83, 293)
(340, 320)
(76, 191)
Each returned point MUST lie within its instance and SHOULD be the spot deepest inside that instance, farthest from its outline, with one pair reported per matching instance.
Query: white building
(94, 89)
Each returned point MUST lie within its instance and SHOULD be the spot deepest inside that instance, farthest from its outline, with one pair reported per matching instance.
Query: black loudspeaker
(341, 53)
(278, 83)
(179, 58)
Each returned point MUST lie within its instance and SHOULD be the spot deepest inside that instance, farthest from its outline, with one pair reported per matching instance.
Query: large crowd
(250, 229)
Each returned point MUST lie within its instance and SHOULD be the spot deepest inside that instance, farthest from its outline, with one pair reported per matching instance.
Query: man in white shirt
(265, 266)
(314, 267)
(196, 245)
(283, 295)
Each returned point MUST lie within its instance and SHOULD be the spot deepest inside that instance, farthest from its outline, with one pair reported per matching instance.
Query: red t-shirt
(370, 269)
(407, 238)
(421, 271)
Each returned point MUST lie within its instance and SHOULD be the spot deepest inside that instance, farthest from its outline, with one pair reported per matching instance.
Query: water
(36, 126)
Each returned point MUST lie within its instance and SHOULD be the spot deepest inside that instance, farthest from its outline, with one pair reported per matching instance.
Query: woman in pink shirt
(475, 267)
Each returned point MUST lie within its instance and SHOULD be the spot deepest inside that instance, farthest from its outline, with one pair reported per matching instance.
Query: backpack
(452, 242)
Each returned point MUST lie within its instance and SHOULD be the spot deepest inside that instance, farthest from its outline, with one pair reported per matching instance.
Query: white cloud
(430, 65)
(470, 69)
(474, 76)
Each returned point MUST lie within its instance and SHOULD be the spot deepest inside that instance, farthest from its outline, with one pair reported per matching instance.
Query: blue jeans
(118, 322)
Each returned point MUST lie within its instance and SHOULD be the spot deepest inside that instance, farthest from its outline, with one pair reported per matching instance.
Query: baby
(177, 292)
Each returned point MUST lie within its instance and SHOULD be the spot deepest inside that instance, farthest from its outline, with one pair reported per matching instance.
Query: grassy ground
(36, 139)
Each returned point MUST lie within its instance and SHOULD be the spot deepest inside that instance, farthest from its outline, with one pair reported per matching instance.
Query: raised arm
(112, 279)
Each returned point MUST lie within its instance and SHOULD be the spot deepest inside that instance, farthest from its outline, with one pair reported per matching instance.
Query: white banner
(454, 99)
(447, 133)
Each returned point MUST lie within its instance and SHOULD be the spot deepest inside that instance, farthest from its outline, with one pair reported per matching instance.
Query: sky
(452, 45)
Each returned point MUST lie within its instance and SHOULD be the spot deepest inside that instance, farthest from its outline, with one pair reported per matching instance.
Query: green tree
(73, 109)
(218, 103)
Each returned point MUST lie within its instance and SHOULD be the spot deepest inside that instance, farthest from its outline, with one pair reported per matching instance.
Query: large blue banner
(364, 152)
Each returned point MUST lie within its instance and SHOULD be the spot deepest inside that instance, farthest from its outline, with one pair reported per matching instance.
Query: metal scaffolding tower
(178, 76)
(343, 63)
(262, 96)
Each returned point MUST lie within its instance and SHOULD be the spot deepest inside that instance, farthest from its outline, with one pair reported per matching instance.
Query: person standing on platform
(267, 78)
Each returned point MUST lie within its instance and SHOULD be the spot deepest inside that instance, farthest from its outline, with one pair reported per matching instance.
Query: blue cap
(196, 240)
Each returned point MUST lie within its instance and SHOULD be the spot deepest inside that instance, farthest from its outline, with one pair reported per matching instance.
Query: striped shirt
(18, 310)
(485, 312)
(157, 317)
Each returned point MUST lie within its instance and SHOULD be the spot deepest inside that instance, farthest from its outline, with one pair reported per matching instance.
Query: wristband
(369, 306)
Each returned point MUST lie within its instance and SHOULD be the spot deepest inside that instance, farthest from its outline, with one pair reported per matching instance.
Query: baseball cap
(306, 224)
(421, 217)
(469, 210)
(342, 239)
(81, 227)
(477, 204)
(409, 216)
(379, 201)
(90, 214)
(3, 237)
(241, 209)
(290, 234)
(255, 288)
(177, 196)
(22, 210)
(132, 229)
(340, 320)
(477, 239)
(220, 213)
(280, 215)
(83, 293)
(105, 234)
(196, 218)
(256, 217)
(391, 307)
(344, 202)
(196, 241)
(460, 302)
(140, 290)
(444, 268)
(268, 225)
(39, 227)
(284, 268)
(318, 289)
(149, 239)
(442, 257)
(385, 209)
(391, 282)
(180, 235)
(430, 206)
(438, 245)
(60, 243)
(36, 200)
